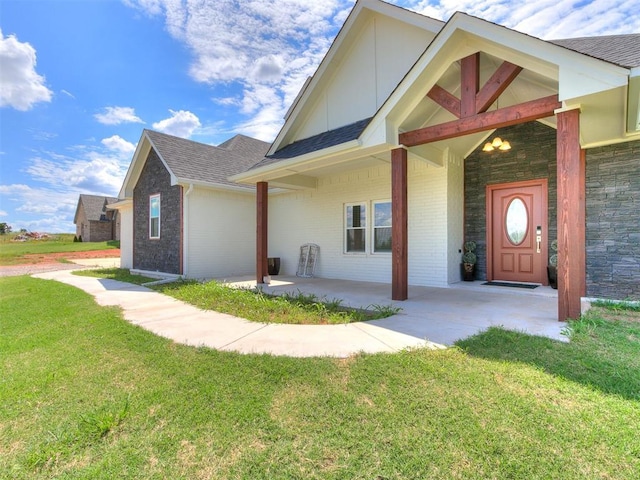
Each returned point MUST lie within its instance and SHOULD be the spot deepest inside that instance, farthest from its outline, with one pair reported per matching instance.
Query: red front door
(517, 232)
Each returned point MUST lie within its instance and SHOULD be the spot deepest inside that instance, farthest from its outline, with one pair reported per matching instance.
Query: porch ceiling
(527, 86)
(601, 121)
(305, 175)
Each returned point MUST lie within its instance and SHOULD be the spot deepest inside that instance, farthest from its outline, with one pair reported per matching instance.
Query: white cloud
(117, 115)
(260, 45)
(182, 123)
(118, 144)
(96, 172)
(270, 47)
(548, 19)
(55, 181)
(3, 213)
(21, 87)
(59, 208)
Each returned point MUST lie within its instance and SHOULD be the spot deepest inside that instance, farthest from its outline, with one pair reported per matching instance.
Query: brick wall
(317, 216)
(613, 221)
(99, 231)
(532, 156)
(163, 254)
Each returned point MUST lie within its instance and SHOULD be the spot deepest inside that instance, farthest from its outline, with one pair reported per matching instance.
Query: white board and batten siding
(374, 65)
(318, 216)
(219, 229)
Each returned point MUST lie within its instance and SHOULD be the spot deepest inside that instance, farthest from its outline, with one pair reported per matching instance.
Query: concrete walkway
(189, 325)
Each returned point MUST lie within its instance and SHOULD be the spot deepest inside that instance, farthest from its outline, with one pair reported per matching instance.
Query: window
(154, 216)
(382, 226)
(356, 227)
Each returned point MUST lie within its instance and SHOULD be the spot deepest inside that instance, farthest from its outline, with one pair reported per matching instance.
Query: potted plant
(469, 260)
(552, 268)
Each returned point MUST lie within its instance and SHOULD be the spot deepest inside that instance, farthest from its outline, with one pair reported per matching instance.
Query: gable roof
(194, 162)
(94, 206)
(591, 71)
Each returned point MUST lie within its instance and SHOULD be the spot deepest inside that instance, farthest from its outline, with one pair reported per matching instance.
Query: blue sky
(80, 79)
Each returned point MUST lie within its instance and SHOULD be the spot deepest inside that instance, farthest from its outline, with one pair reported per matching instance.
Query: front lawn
(84, 394)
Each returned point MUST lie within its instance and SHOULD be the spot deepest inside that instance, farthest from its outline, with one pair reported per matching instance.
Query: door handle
(538, 242)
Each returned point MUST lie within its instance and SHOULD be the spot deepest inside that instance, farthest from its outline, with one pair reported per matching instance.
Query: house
(95, 221)
(380, 160)
(180, 213)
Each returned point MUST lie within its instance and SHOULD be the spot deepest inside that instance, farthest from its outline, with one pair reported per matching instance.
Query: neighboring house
(380, 160)
(95, 221)
(180, 214)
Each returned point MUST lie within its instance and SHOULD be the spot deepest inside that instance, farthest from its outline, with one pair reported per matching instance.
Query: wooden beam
(498, 83)
(262, 209)
(399, 226)
(469, 84)
(445, 99)
(571, 215)
(504, 117)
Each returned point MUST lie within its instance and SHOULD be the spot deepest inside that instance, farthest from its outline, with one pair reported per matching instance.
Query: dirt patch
(48, 262)
(39, 258)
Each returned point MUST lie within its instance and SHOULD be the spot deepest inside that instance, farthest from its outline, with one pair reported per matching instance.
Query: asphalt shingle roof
(198, 162)
(621, 50)
(94, 205)
(317, 142)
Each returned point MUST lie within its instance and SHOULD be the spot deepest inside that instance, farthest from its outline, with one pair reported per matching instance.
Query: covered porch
(440, 315)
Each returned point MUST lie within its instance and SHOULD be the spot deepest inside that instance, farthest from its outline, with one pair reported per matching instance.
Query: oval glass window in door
(516, 221)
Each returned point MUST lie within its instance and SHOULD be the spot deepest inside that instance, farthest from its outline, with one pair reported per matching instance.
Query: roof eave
(121, 204)
(633, 102)
(186, 182)
(271, 171)
(142, 150)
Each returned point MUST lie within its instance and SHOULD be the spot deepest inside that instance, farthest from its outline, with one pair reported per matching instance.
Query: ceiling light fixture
(497, 144)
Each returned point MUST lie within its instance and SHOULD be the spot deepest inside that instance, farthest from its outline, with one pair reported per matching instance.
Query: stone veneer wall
(613, 221)
(163, 254)
(532, 156)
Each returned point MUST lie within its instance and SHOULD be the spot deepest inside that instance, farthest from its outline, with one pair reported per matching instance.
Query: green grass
(85, 395)
(12, 253)
(254, 305)
(603, 353)
(120, 274)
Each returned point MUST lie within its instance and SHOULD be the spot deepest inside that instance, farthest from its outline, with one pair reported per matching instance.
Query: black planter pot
(468, 271)
(552, 275)
(273, 265)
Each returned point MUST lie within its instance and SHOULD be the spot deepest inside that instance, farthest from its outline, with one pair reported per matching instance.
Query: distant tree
(5, 228)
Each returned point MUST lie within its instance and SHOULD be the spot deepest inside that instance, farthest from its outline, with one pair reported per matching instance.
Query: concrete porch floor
(440, 315)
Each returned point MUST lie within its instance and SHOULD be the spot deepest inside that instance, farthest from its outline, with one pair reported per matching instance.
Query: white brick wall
(455, 216)
(126, 236)
(220, 233)
(317, 216)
